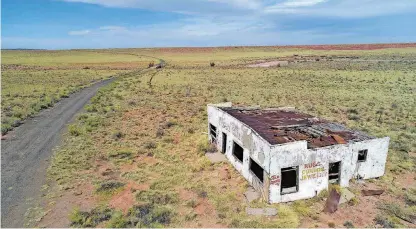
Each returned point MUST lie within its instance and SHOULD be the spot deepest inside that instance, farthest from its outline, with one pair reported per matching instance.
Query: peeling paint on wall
(313, 163)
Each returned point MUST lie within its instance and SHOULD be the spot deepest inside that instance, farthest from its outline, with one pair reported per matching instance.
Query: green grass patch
(109, 187)
(90, 219)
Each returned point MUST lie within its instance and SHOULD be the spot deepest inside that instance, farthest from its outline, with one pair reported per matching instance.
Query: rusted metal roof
(279, 126)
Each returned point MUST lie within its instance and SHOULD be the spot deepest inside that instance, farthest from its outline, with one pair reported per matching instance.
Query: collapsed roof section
(280, 125)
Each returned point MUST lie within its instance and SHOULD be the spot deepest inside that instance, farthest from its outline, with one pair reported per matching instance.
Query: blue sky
(64, 24)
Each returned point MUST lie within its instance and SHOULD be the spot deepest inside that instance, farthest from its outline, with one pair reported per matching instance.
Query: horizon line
(405, 44)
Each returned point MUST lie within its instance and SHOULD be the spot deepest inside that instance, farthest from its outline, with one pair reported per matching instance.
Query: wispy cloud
(342, 8)
(323, 8)
(192, 7)
(189, 28)
(242, 4)
(79, 32)
(233, 22)
(209, 22)
(301, 3)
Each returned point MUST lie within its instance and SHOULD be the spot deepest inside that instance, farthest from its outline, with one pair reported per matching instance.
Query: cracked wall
(313, 164)
(254, 146)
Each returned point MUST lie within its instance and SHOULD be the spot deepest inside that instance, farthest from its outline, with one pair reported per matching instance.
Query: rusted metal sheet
(279, 126)
(332, 201)
(370, 192)
(282, 139)
(297, 135)
(339, 139)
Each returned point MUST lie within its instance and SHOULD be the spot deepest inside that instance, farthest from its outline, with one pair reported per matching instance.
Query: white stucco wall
(297, 154)
(274, 158)
(254, 146)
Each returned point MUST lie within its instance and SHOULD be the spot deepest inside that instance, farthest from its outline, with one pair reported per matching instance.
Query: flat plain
(136, 156)
(35, 80)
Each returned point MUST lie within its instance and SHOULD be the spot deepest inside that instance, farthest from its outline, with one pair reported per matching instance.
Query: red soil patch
(126, 198)
(268, 64)
(185, 195)
(206, 213)
(204, 208)
(128, 167)
(354, 46)
(361, 215)
(142, 159)
(181, 50)
(406, 180)
(106, 170)
(176, 138)
(224, 173)
(58, 211)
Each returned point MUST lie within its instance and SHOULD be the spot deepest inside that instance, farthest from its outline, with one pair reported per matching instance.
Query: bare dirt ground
(94, 66)
(362, 213)
(313, 47)
(268, 64)
(26, 152)
(27, 149)
(289, 60)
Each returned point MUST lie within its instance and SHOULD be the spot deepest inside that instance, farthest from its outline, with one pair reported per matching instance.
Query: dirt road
(26, 152)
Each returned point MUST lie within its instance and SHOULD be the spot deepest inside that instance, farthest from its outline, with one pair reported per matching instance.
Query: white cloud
(342, 8)
(322, 8)
(242, 4)
(211, 31)
(79, 32)
(193, 7)
(156, 36)
(301, 3)
(234, 22)
(191, 28)
(112, 28)
(256, 21)
(113, 3)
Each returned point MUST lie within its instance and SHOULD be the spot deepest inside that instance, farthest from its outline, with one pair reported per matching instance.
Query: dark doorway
(289, 180)
(256, 169)
(334, 173)
(213, 132)
(238, 152)
(224, 143)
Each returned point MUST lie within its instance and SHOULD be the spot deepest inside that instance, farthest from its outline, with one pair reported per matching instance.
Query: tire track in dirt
(26, 151)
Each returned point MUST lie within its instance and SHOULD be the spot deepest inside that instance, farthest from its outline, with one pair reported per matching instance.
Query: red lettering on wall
(312, 165)
(275, 180)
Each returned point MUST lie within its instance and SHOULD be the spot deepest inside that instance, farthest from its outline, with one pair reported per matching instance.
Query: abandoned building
(288, 155)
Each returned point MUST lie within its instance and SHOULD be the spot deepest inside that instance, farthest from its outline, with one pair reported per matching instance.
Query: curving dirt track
(26, 150)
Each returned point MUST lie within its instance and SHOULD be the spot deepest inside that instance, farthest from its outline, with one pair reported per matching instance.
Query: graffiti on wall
(233, 128)
(224, 125)
(312, 171)
(275, 180)
(256, 146)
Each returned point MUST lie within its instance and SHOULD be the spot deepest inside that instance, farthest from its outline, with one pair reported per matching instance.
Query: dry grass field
(135, 158)
(35, 80)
